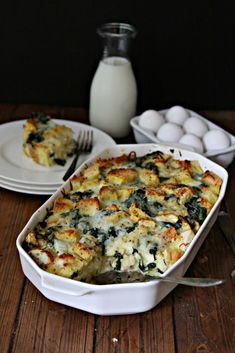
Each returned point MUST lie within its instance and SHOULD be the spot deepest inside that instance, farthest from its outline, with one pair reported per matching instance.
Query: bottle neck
(116, 39)
(116, 47)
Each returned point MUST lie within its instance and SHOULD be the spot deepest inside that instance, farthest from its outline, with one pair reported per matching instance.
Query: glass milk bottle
(113, 93)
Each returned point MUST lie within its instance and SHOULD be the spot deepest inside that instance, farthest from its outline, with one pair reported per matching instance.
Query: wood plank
(6, 112)
(10, 112)
(69, 113)
(14, 204)
(23, 110)
(15, 214)
(74, 113)
(117, 333)
(158, 329)
(150, 332)
(204, 318)
(53, 327)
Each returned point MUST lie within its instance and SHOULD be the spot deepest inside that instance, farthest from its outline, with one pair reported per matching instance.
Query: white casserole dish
(223, 157)
(116, 299)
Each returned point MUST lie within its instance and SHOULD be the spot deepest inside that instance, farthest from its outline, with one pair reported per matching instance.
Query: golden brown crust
(89, 206)
(61, 205)
(69, 235)
(124, 213)
(122, 176)
(46, 142)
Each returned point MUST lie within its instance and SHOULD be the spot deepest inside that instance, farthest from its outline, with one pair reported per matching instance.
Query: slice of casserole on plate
(46, 142)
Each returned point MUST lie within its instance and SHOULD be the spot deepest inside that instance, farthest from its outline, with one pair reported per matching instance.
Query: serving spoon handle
(194, 282)
(114, 277)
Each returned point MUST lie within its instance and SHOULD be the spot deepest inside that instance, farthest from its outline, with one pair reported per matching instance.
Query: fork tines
(85, 141)
(84, 145)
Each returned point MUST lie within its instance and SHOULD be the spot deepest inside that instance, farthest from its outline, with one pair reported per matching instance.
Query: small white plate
(14, 166)
(23, 190)
(38, 187)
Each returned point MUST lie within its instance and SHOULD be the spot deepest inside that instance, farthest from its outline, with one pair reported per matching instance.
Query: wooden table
(187, 320)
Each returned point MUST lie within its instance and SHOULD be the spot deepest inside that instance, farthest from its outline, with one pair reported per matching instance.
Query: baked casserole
(124, 213)
(46, 142)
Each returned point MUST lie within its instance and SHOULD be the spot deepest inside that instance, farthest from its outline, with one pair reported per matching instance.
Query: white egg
(151, 120)
(193, 141)
(195, 126)
(170, 132)
(177, 115)
(215, 140)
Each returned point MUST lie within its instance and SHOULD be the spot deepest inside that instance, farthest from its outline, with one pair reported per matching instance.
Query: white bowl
(116, 299)
(223, 157)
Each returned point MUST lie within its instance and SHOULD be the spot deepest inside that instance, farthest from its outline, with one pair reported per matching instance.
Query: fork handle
(72, 166)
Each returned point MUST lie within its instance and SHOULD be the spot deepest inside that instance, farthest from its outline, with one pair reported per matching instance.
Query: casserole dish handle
(47, 284)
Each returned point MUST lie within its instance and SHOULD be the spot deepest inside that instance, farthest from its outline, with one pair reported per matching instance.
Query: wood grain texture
(188, 320)
(53, 327)
(205, 317)
(13, 215)
(147, 332)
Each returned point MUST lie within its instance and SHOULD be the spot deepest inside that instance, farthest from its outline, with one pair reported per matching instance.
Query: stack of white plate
(21, 174)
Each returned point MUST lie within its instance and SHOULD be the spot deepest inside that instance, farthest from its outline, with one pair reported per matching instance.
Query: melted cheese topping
(124, 213)
(46, 142)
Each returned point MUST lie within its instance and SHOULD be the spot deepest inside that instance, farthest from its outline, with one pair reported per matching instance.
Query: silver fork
(84, 145)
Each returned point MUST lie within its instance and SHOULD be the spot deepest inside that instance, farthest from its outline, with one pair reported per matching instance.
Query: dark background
(184, 52)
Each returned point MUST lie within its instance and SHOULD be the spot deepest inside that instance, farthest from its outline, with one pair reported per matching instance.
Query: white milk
(113, 96)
